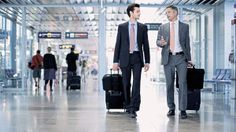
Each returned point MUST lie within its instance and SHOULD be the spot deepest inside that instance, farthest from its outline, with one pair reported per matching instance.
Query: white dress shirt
(177, 44)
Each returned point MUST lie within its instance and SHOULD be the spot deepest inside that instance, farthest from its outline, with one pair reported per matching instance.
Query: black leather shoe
(183, 115)
(133, 114)
(171, 113)
(127, 111)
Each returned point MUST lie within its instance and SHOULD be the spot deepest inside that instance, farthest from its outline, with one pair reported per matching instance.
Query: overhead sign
(89, 51)
(76, 35)
(66, 46)
(49, 35)
(153, 26)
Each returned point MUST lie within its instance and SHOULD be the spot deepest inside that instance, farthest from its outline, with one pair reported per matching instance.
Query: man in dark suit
(173, 38)
(131, 45)
(71, 59)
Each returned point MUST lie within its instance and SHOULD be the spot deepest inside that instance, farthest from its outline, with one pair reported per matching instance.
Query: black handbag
(30, 65)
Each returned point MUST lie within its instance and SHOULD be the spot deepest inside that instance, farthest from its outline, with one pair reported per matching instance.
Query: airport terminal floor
(84, 111)
(88, 37)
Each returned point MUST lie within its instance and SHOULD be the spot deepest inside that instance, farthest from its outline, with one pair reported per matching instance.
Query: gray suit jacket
(183, 39)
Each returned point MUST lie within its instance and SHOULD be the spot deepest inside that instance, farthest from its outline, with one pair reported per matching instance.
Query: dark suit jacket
(183, 40)
(71, 61)
(121, 54)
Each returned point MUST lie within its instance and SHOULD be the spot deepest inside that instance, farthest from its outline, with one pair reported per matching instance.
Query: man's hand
(115, 66)
(146, 67)
(163, 41)
(190, 64)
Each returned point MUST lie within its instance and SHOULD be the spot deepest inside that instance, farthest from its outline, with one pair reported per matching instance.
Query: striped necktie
(132, 38)
(172, 37)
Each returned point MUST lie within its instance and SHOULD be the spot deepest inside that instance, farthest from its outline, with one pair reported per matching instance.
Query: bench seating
(221, 76)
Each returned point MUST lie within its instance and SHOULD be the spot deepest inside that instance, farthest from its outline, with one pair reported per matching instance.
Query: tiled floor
(84, 111)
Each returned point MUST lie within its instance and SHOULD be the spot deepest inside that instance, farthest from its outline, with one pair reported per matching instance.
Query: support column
(180, 14)
(228, 15)
(13, 45)
(102, 45)
(199, 55)
(23, 49)
(4, 27)
(203, 40)
(233, 64)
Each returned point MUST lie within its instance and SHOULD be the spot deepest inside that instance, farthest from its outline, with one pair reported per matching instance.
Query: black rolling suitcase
(112, 82)
(195, 79)
(194, 99)
(74, 82)
(113, 87)
(114, 99)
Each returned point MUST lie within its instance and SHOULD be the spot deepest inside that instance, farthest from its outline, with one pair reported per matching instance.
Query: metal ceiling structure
(83, 15)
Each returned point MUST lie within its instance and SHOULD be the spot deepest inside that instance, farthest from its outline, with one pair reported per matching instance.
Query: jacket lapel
(138, 34)
(168, 32)
(181, 34)
(127, 30)
(180, 29)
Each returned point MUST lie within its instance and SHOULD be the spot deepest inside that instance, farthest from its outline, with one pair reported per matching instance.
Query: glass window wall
(10, 48)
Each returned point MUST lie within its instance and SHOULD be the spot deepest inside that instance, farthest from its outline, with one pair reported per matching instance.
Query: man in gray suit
(173, 38)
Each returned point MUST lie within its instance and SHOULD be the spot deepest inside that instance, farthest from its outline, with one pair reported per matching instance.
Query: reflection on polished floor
(84, 111)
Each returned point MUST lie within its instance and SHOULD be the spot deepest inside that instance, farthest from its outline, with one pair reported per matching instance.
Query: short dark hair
(38, 51)
(173, 8)
(72, 48)
(131, 8)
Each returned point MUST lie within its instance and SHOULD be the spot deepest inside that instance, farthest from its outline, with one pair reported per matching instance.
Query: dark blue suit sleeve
(117, 46)
(146, 45)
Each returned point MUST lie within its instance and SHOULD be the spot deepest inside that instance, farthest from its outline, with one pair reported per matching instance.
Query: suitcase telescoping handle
(112, 70)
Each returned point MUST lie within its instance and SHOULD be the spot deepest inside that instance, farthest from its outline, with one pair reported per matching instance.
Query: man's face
(49, 49)
(136, 13)
(171, 14)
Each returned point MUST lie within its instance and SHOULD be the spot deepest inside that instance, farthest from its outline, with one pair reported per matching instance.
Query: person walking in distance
(50, 68)
(71, 62)
(37, 63)
(131, 45)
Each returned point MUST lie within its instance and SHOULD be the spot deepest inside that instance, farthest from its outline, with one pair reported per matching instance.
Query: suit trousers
(179, 63)
(132, 102)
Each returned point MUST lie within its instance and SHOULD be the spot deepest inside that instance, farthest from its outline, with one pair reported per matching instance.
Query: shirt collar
(135, 23)
(175, 22)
